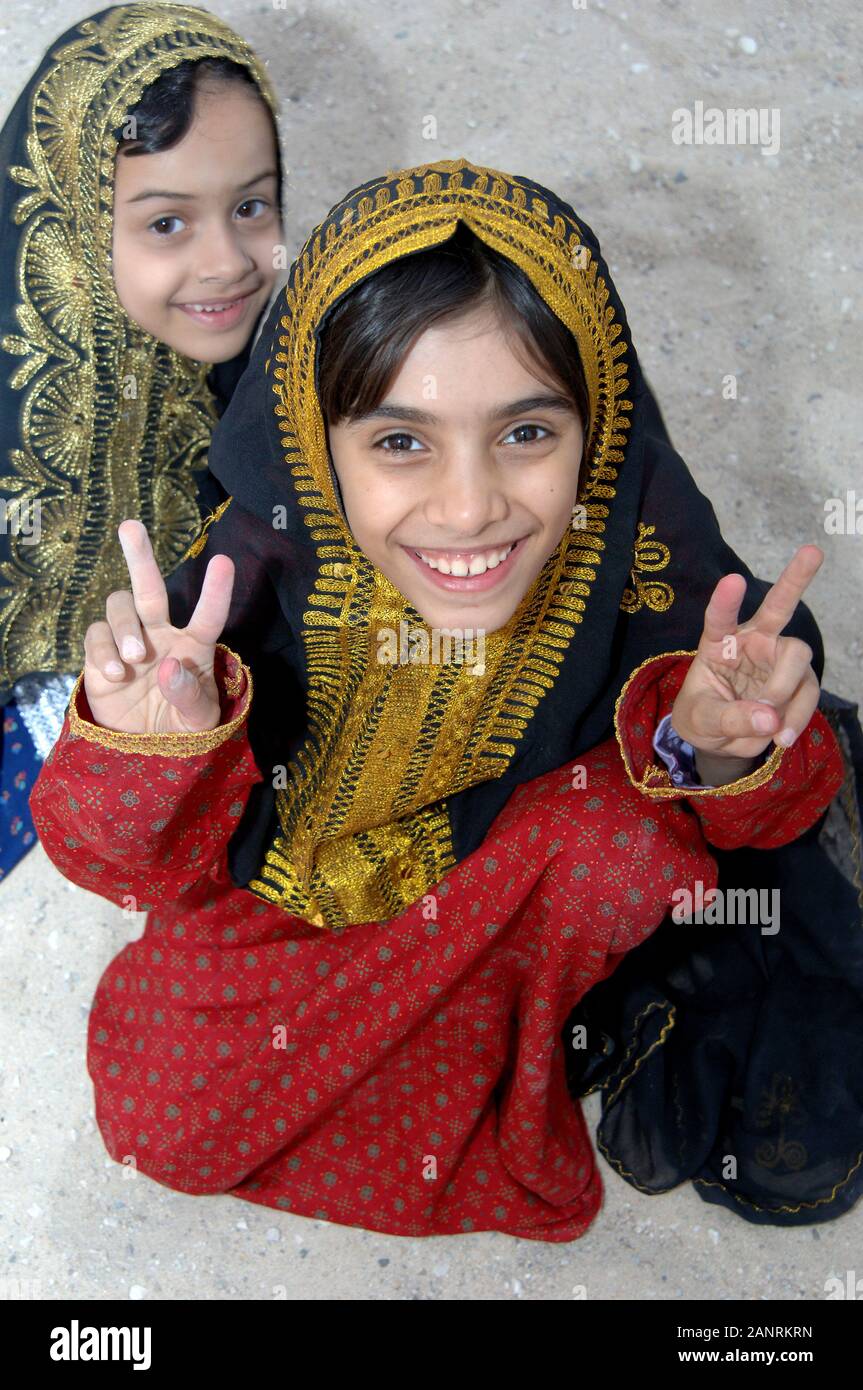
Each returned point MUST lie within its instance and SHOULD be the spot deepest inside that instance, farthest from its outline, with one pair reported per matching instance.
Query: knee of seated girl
(629, 853)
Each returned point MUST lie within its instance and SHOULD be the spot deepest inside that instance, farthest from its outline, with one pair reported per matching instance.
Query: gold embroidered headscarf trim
(89, 454)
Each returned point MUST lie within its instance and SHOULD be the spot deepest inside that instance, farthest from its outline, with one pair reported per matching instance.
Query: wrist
(717, 770)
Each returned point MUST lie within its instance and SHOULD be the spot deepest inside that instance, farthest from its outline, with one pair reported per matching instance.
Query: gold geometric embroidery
(649, 555)
(112, 423)
(364, 826)
(782, 1101)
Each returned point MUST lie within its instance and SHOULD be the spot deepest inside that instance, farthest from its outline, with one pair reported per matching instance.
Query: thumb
(181, 688)
(727, 719)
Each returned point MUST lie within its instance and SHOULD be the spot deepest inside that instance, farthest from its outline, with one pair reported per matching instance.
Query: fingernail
(762, 721)
(113, 668)
(175, 679)
(787, 737)
(132, 648)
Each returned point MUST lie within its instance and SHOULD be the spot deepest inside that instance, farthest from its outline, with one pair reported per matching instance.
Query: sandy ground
(729, 261)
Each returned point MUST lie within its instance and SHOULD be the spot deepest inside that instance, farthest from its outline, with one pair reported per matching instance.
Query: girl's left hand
(748, 686)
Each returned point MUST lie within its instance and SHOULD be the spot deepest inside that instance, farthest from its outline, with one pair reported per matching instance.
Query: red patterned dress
(403, 1076)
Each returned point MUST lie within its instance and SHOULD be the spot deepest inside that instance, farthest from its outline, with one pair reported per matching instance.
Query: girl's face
(195, 227)
(460, 484)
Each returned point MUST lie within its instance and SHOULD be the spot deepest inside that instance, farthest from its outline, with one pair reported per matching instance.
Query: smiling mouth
(217, 310)
(466, 563)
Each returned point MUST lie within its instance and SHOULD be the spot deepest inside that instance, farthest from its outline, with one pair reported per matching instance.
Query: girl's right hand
(143, 676)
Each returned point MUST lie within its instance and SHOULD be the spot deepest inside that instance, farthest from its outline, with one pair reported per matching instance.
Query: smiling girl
(196, 210)
(376, 891)
(142, 189)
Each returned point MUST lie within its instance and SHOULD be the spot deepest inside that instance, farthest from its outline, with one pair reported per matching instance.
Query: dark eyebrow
(498, 412)
(190, 197)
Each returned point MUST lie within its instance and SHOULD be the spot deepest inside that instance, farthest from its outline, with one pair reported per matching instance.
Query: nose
(223, 257)
(469, 494)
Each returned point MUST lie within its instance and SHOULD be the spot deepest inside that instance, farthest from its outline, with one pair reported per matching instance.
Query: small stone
(5, 1154)
(137, 1292)
(747, 44)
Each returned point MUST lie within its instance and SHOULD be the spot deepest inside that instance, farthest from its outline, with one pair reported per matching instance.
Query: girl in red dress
(378, 879)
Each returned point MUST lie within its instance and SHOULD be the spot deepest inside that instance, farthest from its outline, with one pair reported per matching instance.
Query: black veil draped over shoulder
(706, 1042)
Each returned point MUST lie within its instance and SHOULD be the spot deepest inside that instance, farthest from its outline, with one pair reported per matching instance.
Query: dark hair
(164, 113)
(368, 332)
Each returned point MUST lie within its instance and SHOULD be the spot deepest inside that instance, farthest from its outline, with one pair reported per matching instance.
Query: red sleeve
(769, 807)
(134, 817)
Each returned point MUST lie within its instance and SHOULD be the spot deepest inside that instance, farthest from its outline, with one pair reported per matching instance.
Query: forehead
(230, 135)
(479, 350)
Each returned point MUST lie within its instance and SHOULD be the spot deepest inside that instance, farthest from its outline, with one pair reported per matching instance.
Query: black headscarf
(79, 448)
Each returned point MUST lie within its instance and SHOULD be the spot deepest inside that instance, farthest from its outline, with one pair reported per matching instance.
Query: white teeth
(208, 308)
(460, 568)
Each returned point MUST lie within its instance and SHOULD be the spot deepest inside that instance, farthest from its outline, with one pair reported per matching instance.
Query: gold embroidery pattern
(650, 555)
(113, 423)
(657, 782)
(782, 1100)
(201, 540)
(168, 745)
(363, 822)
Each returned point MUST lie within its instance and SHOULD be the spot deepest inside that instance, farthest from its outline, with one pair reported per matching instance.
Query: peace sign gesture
(143, 676)
(749, 686)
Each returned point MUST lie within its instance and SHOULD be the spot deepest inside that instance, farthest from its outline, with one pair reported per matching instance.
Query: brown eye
(400, 446)
(521, 429)
(258, 205)
(164, 226)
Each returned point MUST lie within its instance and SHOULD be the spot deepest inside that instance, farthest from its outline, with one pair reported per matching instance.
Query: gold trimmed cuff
(229, 672)
(656, 781)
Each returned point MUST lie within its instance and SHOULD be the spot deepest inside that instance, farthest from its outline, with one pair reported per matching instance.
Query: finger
(100, 651)
(793, 661)
(779, 603)
(720, 615)
(214, 604)
(125, 625)
(148, 586)
(713, 718)
(182, 689)
(798, 711)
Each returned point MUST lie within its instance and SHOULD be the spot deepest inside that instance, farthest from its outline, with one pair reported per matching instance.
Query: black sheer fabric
(735, 1058)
